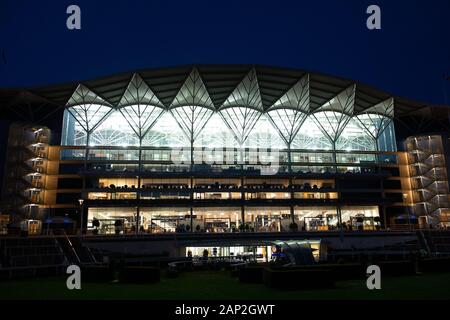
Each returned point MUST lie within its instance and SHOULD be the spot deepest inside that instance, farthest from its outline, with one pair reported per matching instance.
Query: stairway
(75, 251)
(439, 241)
(31, 257)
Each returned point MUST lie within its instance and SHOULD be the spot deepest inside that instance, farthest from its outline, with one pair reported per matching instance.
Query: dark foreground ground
(220, 285)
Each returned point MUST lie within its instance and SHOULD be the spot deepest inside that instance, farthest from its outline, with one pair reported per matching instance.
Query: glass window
(360, 218)
(192, 119)
(231, 127)
(72, 154)
(264, 135)
(354, 158)
(166, 133)
(241, 121)
(114, 131)
(311, 137)
(387, 140)
(81, 119)
(216, 134)
(316, 218)
(355, 137)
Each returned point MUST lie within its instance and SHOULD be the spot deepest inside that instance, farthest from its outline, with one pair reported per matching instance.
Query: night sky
(408, 57)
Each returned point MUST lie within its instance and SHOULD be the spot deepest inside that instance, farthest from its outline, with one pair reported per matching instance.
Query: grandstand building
(220, 149)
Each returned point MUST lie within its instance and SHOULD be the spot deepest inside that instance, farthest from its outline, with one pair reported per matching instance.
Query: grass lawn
(220, 285)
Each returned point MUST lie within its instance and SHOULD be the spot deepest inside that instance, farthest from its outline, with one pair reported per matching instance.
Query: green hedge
(139, 275)
(349, 271)
(251, 274)
(339, 272)
(298, 279)
(235, 273)
(397, 268)
(435, 265)
(96, 274)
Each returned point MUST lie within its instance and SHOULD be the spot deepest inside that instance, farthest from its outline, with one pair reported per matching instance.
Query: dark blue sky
(408, 57)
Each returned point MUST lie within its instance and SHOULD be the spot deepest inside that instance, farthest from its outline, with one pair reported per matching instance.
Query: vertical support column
(83, 191)
(138, 196)
(289, 159)
(241, 156)
(86, 155)
(191, 194)
(383, 198)
(243, 217)
(338, 207)
(191, 209)
(242, 203)
(339, 214)
(292, 196)
(192, 155)
(334, 156)
(138, 216)
(82, 217)
(378, 159)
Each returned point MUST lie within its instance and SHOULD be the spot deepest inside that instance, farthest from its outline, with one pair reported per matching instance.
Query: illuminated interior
(228, 220)
(241, 120)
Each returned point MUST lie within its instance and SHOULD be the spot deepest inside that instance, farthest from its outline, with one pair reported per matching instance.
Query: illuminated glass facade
(229, 149)
(138, 134)
(140, 119)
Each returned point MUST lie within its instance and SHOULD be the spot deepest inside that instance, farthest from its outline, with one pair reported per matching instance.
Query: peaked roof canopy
(138, 92)
(246, 94)
(216, 87)
(82, 95)
(193, 93)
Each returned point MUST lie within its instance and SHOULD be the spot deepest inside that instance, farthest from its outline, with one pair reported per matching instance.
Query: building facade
(267, 150)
